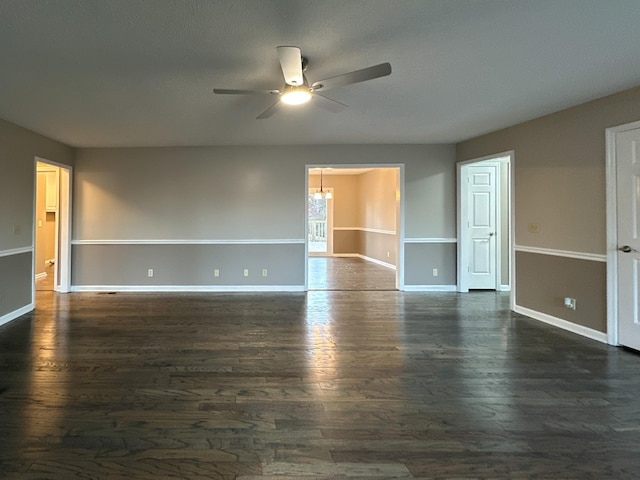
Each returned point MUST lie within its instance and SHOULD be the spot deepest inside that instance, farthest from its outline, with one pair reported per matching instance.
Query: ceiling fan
(297, 89)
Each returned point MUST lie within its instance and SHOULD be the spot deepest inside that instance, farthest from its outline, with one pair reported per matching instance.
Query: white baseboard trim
(40, 276)
(186, 288)
(430, 288)
(16, 313)
(378, 262)
(503, 288)
(563, 324)
(364, 257)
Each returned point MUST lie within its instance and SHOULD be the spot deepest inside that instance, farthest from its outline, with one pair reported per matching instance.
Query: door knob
(626, 249)
(491, 234)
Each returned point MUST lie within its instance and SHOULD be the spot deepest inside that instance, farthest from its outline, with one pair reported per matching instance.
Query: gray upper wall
(18, 149)
(192, 193)
(559, 171)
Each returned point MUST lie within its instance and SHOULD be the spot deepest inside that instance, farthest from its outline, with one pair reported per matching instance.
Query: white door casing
(63, 248)
(627, 145)
(62, 270)
(400, 222)
(480, 236)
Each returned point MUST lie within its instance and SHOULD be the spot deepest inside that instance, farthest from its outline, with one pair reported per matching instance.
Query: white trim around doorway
(400, 216)
(510, 157)
(62, 282)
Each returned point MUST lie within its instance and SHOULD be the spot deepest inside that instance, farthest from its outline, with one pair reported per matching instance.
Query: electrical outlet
(150, 272)
(264, 272)
(216, 272)
(246, 272)
(388, 254)
(570, 303)
(435, 272)
(534, 228)
(17, 229)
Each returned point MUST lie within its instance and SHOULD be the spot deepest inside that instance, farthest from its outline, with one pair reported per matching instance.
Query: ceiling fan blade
(358, 76)
(270, 111)
(225, 91)
(329, 104)
(291, 63)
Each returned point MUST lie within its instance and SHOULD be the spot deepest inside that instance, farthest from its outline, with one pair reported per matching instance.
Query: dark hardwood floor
(335, 273)
(354, 384)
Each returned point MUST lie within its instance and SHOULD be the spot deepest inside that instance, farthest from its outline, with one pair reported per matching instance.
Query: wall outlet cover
(570, 303)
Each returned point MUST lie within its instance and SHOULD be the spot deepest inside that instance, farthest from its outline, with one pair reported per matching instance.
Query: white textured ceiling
(141, 73)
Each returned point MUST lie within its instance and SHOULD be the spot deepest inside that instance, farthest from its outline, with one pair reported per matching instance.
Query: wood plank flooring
(346, 273)
(361, 385)
(46, 283)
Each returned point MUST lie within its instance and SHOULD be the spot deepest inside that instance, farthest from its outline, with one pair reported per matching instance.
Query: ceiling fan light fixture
(296, 95)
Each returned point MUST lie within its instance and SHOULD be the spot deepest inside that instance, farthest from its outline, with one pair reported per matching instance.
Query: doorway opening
(52, 227)
(485, 221)
(354, 227)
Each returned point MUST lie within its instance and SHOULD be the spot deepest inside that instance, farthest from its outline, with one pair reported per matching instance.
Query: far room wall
(187, 211)
(364, 212)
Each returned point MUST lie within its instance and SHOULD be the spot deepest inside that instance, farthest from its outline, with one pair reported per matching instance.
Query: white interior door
(628, 261)
(481, 226)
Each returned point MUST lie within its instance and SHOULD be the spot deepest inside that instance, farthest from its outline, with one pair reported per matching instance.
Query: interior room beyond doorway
(353, 218)
(52, 226)
(46, 225)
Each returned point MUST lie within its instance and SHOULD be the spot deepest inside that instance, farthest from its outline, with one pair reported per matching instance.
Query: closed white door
(481, 226)
(628, 207)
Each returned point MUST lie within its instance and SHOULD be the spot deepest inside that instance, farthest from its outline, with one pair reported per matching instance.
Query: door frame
(462, 284)
(399, 214)
(62, 281)
(612, 229)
